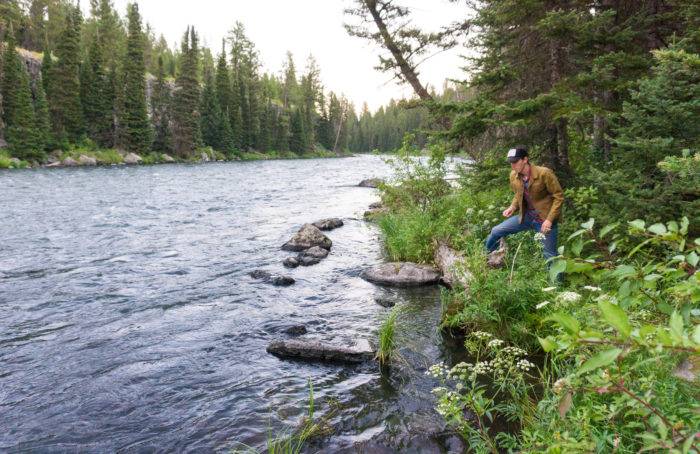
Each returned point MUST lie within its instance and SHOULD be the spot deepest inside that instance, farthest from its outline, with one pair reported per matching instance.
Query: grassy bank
(608, 342)
(111, 156)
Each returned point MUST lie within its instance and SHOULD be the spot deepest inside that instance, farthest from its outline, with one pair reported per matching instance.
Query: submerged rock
(385, 302)
(401, 274)
(328, 224)
(307, 237)
(371, 183)
(322, 351)
(295, 330)
(274, 279)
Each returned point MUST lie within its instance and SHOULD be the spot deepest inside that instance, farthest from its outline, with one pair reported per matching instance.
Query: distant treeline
(108, 79)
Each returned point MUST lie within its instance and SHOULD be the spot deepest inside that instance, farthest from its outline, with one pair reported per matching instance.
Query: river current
(128, 321)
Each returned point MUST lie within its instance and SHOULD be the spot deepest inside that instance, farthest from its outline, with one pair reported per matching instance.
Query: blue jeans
(512, 225)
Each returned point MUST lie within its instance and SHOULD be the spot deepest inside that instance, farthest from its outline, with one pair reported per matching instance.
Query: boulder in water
(290, 262)
(401, 274)
(274, 279)
(328, 224)
(385, 302)
(322, 351)
(307, 237)
(371, 183)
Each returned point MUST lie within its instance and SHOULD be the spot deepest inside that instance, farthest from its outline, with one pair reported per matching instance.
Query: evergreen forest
(102, 83)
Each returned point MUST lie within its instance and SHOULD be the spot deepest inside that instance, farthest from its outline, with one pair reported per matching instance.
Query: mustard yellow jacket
(545, 192)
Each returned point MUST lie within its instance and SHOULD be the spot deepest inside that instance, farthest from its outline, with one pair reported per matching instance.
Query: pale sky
(303, 27)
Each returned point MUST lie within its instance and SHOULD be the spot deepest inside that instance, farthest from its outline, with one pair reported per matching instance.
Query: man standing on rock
(538, 200)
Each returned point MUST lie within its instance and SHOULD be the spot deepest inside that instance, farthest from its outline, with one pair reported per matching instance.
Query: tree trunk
(407, 70)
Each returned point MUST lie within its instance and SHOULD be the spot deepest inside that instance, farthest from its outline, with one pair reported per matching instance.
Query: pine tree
(186, 132)
(211, 116)
(64, 95)
(134, 119)
(160, 107)
(97, 100)
(281, 121)
(297, 137)
(42, 116)
(18, 110)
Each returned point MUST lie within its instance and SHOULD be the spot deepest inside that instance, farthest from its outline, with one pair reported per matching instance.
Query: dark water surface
(128, 321)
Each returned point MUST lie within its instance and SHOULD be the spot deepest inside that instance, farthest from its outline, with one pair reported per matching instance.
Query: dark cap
(517, 153)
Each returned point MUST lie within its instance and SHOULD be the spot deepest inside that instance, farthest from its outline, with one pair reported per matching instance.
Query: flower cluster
(437, 371)
(514, 351)
(524, 365)
(461, 371)
(495, 343)
(482, 335)
(591, 288)
(539, 236)
(560, 385)
(569, 297)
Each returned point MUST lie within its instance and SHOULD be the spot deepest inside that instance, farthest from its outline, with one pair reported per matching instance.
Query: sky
(304, 27)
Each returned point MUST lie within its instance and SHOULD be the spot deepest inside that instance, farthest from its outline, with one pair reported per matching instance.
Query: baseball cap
(516, 153)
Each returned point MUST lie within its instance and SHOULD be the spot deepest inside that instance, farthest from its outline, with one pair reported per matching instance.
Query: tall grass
(387, 338)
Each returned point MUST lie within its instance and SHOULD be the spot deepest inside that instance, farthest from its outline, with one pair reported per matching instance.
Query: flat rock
(401, 274)
(274, 279)
(371, 183)
(132, 158)
(328, 224)
(290, 262)
(322, 351)
(87, 160)
(307, 237)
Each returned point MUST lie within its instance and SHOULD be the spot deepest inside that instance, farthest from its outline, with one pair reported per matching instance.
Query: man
(538, 199)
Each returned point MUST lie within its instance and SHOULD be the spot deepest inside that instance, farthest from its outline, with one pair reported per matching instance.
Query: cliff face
(32, 61)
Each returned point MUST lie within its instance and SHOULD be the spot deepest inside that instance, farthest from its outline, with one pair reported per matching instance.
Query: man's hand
(508, 212)
(546, 226)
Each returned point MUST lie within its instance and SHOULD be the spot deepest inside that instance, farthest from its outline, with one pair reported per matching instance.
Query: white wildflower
(495, 343)
(549, 289)
(483, 335)
(569, 297)
(470, 211)
(542, 304)
(524, 365)
(514, 351)
(591, 288)
(480, 212)
(486, 222)
(491, 207)
(539, 236)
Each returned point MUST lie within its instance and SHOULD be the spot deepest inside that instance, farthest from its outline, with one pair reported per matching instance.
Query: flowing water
(128, 321)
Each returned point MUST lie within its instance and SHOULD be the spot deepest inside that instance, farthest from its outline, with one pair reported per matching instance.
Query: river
(128, 321)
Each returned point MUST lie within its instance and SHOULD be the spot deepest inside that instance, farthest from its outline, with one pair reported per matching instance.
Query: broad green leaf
(692, 258)
(567, 322)
(657, 229)
(577, 246)
(578, 267)
(607, 229)
(637, 224)
(696, 334)
(616, 317)
(624, 271)
(672, 226)
(588, 225)
(612, 247)
(558, 266)
(676, 326)
(601, 359)
(652, 277)
(697, 241)
(684, 226)
(624, 290)
(547, 344)
(575, 234)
